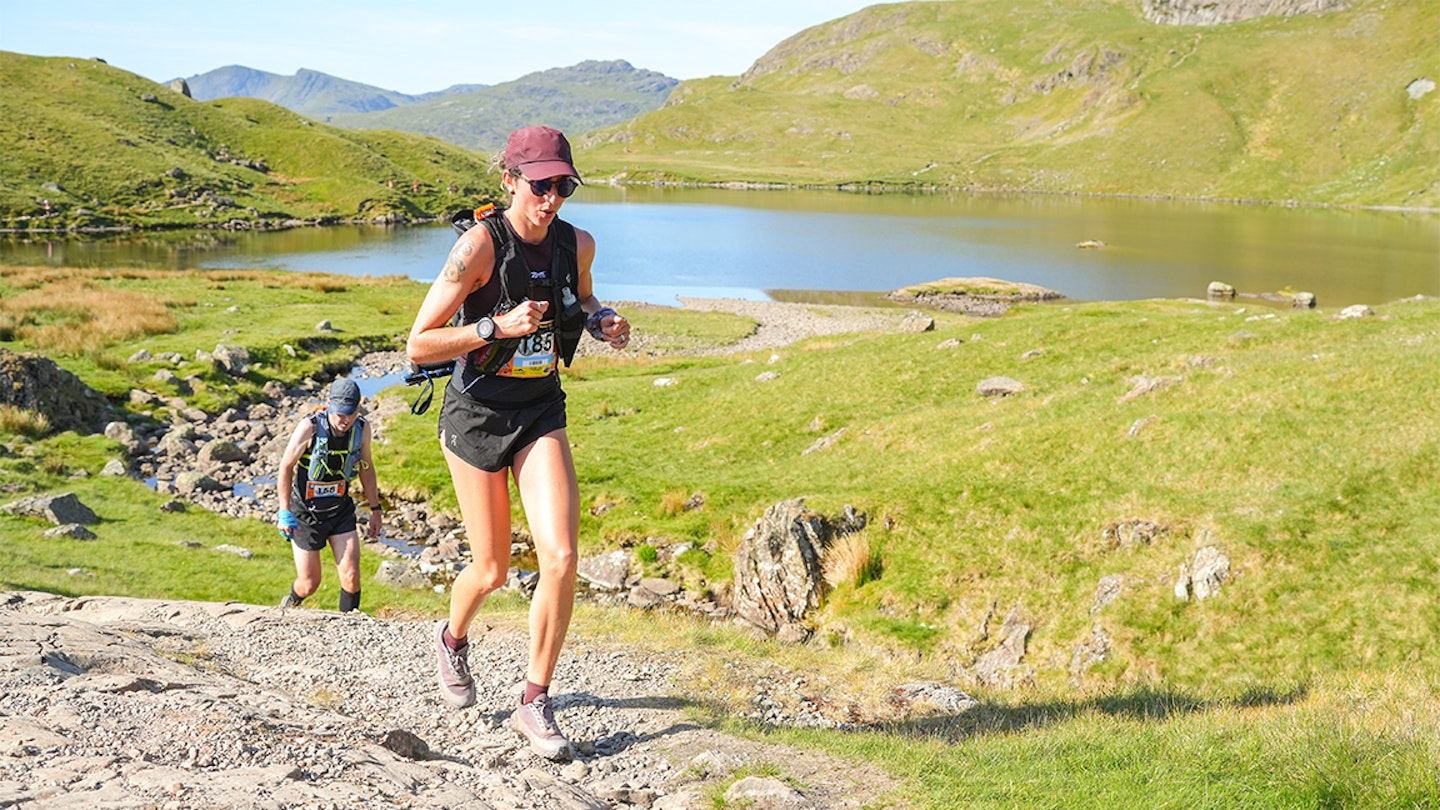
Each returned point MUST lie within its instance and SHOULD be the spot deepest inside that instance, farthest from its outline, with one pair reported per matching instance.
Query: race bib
(534, 357)
(324, 489)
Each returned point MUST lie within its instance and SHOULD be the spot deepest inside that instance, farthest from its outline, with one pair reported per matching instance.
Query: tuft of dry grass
(19, 421)
(851, 560)
(71, 316)
(673, 502)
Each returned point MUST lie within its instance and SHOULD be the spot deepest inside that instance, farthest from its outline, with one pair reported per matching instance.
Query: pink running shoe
(535, 721)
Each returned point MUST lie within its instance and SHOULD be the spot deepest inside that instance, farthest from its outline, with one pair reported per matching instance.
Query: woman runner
(523, 288)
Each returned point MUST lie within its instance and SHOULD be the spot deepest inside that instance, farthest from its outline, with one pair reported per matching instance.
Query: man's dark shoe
(535, 721)
(289, 601)
(456, 685)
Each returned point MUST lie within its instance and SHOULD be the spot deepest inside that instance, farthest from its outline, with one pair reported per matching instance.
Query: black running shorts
(315, 530)
(488, 437)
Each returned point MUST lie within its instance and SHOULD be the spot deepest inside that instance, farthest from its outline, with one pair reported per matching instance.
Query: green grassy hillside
(82, 135)
(1069, 96)
(1075, 96)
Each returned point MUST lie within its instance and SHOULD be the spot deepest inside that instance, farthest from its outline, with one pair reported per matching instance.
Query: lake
(656, 244)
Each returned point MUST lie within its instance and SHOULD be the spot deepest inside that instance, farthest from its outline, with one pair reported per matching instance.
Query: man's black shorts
(488, 437)
(314, 531)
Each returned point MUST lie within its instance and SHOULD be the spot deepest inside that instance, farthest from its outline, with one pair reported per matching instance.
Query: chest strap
(320, 449)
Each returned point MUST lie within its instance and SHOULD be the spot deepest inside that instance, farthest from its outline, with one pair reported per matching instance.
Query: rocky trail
(110, 702)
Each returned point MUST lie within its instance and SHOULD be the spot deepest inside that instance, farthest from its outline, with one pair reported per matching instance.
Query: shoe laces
(460, 662)
(542, 712)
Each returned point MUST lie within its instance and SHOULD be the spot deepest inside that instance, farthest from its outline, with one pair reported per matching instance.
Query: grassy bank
(1296, 443)
(1074, 96)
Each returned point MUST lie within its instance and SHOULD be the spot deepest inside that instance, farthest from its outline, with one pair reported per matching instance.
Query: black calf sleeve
(349, 601)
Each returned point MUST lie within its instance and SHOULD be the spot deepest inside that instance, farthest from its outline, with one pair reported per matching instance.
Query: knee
(483, 578)
(559, 562)
(305, 585)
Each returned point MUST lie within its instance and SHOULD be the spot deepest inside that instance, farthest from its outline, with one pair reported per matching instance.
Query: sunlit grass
(1353, 739)
(1305, 681)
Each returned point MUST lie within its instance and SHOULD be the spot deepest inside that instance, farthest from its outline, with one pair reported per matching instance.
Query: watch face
(485, 328)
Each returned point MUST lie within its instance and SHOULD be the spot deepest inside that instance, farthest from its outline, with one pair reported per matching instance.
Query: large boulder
(235, 360)
(219, 452)
(192, 481)
(605, 572)
(36, 383)
(61, 510)
(778, 578)
(125, 435)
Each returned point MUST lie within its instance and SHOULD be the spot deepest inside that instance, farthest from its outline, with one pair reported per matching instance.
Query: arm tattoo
(455, 264)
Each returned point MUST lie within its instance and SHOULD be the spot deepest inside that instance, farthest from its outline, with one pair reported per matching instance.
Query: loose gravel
(117, 702)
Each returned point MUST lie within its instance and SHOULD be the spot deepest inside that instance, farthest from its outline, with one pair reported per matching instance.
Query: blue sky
(412, 48)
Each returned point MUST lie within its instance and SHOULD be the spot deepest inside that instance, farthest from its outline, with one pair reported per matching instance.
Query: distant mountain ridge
(309, 92)
(575, 99)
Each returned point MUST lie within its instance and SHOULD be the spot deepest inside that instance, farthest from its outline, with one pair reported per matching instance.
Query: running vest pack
(563, 279)
(327, 471)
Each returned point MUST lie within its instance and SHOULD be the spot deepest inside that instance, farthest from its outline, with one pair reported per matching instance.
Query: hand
(373, 530)
(524, 319)
(616, 330)
(285, 519)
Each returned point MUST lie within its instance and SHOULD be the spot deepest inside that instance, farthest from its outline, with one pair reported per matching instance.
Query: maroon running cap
(540, 153)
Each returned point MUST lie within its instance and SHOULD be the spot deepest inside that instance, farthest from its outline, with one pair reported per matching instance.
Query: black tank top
(527, 276)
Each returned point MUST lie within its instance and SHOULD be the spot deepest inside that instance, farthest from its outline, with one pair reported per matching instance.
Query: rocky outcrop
(1202, 576)
(1216, 12)
(234, 360)
(61, 510)
(34, 383)
(1001, 667)
(778, 577)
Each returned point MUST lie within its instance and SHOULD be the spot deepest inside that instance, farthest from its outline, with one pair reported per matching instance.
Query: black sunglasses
(565, 186)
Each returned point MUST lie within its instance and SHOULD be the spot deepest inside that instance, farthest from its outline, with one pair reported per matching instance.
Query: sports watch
(485, 328)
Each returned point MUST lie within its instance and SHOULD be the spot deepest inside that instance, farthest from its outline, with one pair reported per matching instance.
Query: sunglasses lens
(565, 187)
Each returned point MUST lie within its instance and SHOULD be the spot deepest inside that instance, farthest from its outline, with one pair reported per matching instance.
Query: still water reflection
(657, 244)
